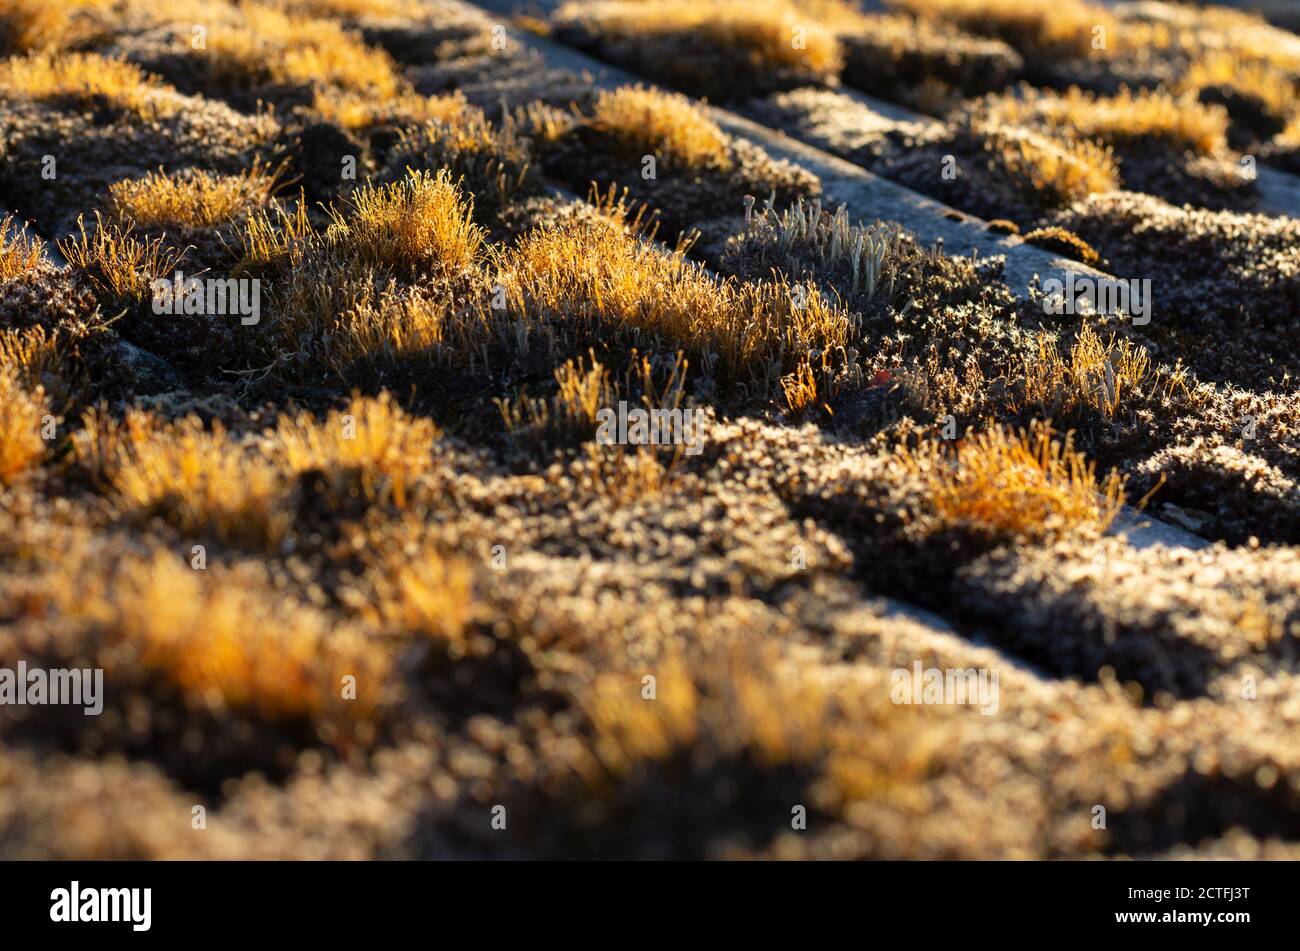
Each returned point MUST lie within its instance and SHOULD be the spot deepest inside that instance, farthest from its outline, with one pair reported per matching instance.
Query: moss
(1222, 282)
(1064, 242)
(896, 57)
(723, 51)
(396, 474)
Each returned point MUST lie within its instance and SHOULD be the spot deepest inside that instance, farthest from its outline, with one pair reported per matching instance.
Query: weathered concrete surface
(1279, 192)
(1143, 531)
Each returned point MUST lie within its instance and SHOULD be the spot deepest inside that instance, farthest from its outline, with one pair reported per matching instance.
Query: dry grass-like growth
(319, 304)
(1274, 87)
(492, 161)
(372, 441)
(279, 236)
(415, 225)
(353, 9)
(644, 121)
(229, 640)
(293, 49)
(1290, 136)
(425, 592)
(749, 701)
(582, 392)
(193, 198)
(120, 265)
(204, 481)
(21, 444)
(31, 353)
(1094, 374)
(86, 79)
(841, 16)
(764, 36)
(30, 25)
(458, 328)
(599, 272)
(584, 387)
(1055, 172)
(1234, 38)
(1003, 484)
(542, 122)
(1045, 27)
(392, 325)
(924, 64)
(1127, 116)
(20, 252)
(628, 729)
(351, 110)
(800, 387)
(624, 473)
(581, 278)
(416, 228)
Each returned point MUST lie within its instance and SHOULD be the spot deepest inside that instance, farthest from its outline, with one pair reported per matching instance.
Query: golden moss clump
(1064, 242)
(581, 278)
(1127, 116)
(279, 236)
(417, 228)
(120, 265)
(689, 42)
(1274, 87)
(294, 49)
(492, 161)
(351, 110)
(731, 703)
(841, 16)
(1028, 485)
(641, 121)
(20, 252)
(1053, 172)
(22, 446)
(315, 279)
(193, 198)
(1290, 136)
(424, 592)
(372, 441)
(629, 730)
(228, 640)
(391, 325)
(205, 481)
(86, 78)
(353, 9)
(800, 387)
(749, 702)
(31, 25)
(1093, 374)
(31, 353)
(600, 272)
(418, 224)
(1044, 27)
